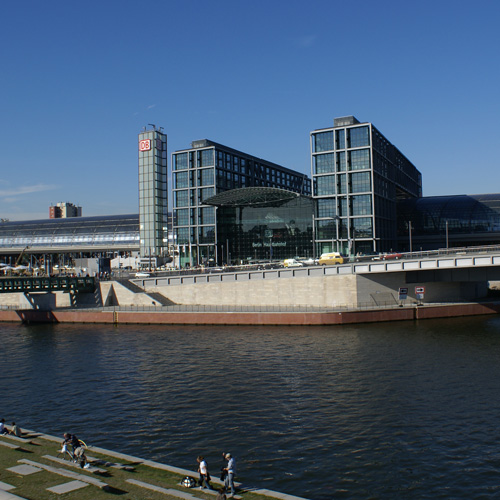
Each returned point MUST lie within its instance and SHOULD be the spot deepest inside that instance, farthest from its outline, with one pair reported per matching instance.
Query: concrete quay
(154, 316)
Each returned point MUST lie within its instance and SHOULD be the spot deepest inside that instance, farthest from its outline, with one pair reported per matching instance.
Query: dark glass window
(206, 177)
(363, 227)
(181, 180)
(205, 193)
(323, 141)
(180, 161)
(341, 163)
(207, 215)
(207, 158)
(341, 184)
(183, 217)
(326, 207)
(206, 234)
(181, 198)
(359, 160)
(361, 204)
(324, 185)
(358, 137)
(340, 138)
(360, 182)
(324, 163)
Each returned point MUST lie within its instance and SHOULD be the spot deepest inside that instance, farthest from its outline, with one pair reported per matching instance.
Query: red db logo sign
(145, 145)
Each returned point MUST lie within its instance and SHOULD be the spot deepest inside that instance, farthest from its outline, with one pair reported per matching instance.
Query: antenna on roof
(152, 125)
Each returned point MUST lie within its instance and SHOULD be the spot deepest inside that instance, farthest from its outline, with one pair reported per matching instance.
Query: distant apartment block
(64, 210)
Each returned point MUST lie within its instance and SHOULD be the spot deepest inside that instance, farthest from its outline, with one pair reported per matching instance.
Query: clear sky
(79, 80)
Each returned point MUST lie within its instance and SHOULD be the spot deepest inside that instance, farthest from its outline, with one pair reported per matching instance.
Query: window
(361, 205)
(362, 227)
(360, 182)
(205, 193)
(206, 177)
(341, 184)
(183, 217)
(206, 234)
(340, 138)
(181, 179)
(324, 185)
(323, 141)
(207, 158)
(324, 163)
(326, 207)
(207, 215)
(181, 198)
(358, 137)
(341, 165)
(359, 160)
(180, 161)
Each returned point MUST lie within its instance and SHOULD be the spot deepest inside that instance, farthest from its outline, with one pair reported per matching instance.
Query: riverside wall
(408, 313)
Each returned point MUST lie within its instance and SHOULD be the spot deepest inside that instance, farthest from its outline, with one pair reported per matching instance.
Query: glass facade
(263, 224)
(449, 221)
(358, 177)
(208, 169)
(153, 217)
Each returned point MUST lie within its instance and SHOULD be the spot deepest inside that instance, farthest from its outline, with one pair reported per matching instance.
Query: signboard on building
(145, 145)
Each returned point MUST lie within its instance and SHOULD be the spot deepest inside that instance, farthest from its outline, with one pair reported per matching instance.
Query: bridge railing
(24, 284)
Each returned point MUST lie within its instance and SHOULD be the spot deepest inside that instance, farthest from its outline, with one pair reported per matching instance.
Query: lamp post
(447, 246)
(409, 234)
(336, 218)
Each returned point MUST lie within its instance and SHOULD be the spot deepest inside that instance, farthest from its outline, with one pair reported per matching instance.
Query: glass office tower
(358, 176)
(153, 194)
(207, 169)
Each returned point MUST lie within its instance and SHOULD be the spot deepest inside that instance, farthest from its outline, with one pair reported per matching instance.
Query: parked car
(142, 275)
(330, 259)
(292, 263)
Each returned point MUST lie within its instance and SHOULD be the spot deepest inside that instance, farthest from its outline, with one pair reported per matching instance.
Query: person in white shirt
(204, 474)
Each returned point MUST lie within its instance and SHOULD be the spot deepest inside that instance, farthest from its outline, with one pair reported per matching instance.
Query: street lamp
(409, 234)
(336, 219)
(447, 235)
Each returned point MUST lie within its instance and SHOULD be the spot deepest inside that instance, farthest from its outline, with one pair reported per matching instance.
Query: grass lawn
(34, 486)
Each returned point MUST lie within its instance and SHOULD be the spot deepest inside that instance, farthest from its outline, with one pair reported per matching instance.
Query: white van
(292, 263)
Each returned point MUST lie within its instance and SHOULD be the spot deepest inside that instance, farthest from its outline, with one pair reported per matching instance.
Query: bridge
(444, 276)
(28, 284)
(416, 265)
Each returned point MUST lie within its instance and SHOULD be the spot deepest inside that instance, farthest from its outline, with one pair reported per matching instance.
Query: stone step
(67, 473)
(92, 469)
(12, 446)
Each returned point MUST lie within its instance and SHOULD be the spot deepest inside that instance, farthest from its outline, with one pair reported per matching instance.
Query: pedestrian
(204, 474)
(3, 429)
(231, 471)
(15, 430)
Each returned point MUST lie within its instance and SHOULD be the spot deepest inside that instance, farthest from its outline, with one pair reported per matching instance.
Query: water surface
(398, 410)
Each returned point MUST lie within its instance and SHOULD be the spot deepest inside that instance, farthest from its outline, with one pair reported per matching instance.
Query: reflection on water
(400, 410)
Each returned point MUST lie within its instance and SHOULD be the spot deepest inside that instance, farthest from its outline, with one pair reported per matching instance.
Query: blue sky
(79, 80)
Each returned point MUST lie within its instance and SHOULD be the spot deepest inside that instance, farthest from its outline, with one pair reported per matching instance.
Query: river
(399, 410)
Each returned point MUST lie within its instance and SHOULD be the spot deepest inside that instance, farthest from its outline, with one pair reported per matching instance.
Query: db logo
(145, 145)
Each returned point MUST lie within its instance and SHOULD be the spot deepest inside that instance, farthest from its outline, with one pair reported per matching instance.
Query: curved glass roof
(252, 196)
(106, 232)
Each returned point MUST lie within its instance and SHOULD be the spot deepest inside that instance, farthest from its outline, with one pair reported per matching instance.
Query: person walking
(204, 474)
(231, 471)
